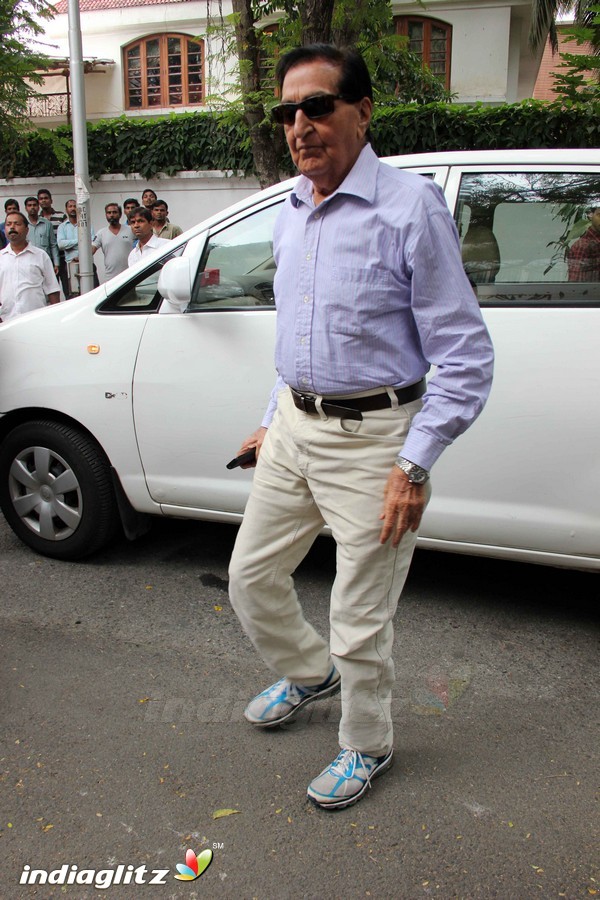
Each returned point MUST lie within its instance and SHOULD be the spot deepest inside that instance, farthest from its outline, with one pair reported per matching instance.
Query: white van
(110, 411)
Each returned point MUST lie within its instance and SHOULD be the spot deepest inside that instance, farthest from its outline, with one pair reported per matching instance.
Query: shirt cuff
(422, 449)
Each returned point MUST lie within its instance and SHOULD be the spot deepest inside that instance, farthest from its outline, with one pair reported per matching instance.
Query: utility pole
(80, 153)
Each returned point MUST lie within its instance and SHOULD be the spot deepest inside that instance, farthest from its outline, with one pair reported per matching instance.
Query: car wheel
(56, 490)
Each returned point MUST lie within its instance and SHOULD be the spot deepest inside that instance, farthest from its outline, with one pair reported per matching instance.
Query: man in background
(41, 232)
(129, 205)
(148, 198)
(583, 257)
(55, 218)
(115, 241)
(147, 242)
(68, 242)
(162, 227)
(27, 277)
(9, 206)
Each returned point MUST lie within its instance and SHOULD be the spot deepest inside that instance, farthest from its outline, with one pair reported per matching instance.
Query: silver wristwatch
(415, 474)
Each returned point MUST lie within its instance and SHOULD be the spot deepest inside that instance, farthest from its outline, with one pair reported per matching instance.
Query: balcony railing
(44, 106)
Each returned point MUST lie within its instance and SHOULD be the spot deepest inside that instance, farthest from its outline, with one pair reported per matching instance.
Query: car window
(140, 295)
(528, 238)
(237, 267)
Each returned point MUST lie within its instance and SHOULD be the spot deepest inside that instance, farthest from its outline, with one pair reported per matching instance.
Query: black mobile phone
(248, 456)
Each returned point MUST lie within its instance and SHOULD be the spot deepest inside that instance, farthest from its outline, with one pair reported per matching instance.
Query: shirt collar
(9, 250)
(361, 181)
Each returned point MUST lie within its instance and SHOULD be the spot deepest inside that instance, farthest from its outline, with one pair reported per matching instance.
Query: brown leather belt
(349, 408)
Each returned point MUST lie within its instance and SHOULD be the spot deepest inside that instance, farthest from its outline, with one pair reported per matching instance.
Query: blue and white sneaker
(347, 778)
(284, 699)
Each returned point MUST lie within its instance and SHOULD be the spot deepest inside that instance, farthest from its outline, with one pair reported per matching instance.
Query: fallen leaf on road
(220, 813)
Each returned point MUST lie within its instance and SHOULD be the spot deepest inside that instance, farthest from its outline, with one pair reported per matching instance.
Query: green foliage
(219, 140)
(580, 79)
(19, 26)
(530, 124)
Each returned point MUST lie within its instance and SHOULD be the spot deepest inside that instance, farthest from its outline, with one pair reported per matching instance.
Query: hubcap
(45, 493)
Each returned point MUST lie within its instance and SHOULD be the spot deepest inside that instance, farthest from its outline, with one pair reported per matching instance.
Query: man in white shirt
(115, 241)
(27, 279)
(147, 242)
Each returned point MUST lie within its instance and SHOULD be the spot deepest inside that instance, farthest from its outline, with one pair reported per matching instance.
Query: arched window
(164, 70)
(431, 40)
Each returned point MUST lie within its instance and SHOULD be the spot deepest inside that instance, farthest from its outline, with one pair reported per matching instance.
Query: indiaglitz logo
(195, 866)
(98, 878)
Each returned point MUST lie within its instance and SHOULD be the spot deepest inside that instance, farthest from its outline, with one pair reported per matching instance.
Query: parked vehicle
(111, 412)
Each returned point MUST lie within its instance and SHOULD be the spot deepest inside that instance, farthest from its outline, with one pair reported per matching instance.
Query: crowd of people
(39, 246)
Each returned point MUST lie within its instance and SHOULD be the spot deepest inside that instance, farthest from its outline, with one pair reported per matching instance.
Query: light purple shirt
(370, 291)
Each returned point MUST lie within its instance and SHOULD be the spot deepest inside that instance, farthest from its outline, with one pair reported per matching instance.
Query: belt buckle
(302, 398)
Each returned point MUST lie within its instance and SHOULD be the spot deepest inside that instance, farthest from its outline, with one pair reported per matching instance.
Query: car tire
(56, 490)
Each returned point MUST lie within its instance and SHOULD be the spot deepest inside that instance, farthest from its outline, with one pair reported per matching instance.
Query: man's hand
(403, 507)
(255, 440)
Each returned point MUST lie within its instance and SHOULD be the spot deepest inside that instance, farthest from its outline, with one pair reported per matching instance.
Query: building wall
(490, 61)
(479, 63)
(106, 31)
(544, 86)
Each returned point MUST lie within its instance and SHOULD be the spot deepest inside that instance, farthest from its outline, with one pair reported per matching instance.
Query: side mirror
(175, 284)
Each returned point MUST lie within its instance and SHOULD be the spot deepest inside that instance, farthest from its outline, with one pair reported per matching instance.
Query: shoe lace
(295, 691)
(347, 762)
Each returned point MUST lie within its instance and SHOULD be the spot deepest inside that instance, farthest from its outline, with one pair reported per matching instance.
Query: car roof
(497, 157)
(543, 157)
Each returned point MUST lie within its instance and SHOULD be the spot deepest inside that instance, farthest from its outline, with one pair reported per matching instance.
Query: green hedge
(220, 141)
(527, 125)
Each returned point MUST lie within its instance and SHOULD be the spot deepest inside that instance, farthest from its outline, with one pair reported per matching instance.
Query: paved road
(123, 681)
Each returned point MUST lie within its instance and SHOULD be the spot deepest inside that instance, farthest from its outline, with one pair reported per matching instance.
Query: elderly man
(27, 278)
(370, 292)
(140, 222)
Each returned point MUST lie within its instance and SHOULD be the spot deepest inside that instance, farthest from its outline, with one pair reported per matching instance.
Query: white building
(150, 57)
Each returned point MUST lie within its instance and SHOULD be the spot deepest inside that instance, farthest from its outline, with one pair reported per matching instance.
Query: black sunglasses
(313, 108)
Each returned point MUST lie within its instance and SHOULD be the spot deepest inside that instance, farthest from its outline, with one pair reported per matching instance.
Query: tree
(20, 24)
(544, 14)
(398, 75)
(579, 80)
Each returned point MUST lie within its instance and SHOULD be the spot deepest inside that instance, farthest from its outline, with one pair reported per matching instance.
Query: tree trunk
(264, 145)
(316, 16)
(351, 26)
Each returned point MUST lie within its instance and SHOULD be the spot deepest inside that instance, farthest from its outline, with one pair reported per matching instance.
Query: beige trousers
(314, 470)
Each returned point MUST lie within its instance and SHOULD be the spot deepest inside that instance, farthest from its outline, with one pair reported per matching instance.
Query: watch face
(415, 474)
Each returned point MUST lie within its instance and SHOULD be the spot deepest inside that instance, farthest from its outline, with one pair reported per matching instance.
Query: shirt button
(304, 380)
(306, 298)
(317, 215)
(308, 255)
